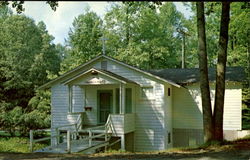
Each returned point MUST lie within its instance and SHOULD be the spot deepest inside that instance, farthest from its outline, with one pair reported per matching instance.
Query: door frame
(98, 102)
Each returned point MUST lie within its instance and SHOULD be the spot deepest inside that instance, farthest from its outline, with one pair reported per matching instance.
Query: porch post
(123, 142)
(122, 98)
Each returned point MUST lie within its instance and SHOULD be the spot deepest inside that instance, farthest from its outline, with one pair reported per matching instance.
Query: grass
(17, 144)
(213, 146)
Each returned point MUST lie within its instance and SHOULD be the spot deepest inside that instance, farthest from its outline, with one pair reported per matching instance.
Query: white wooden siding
(149, 119)
(168, 117)
(91, 101)
(149, 134)
(129, 123)
(187, 107)
(77, 101)
(123, 123)
(60, 105)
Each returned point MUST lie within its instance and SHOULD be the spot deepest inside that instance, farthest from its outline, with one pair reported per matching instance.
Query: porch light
(94, 72)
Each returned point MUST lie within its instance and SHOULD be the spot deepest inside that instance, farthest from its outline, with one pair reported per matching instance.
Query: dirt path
(223, 155)
(237, 151)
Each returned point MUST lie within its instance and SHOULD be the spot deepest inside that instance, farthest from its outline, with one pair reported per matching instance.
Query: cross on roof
(103, 44)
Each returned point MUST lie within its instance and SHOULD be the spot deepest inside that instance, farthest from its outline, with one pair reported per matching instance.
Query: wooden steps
(76, 146)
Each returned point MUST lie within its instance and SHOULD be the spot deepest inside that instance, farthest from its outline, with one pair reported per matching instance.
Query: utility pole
(183, 52)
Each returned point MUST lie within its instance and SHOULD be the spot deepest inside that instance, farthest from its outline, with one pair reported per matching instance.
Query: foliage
(18, 145)
(18, 5)
(238, 34)
(238, 39)
(27, 57)
(84, 40)
(136, 41)
(142, 34)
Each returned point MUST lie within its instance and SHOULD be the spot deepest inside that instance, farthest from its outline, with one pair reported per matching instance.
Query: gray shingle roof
(191, 75)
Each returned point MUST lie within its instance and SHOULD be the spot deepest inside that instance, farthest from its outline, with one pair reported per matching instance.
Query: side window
(117, 100)
(128, 100)
(169, 137)
(147, 92)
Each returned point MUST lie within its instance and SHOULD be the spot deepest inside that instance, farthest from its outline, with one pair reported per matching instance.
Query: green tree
(84, 40)
(141, 35)
(18, 5)
(27, 57)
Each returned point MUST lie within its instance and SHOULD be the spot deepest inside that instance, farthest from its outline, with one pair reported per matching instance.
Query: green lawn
(17, 144)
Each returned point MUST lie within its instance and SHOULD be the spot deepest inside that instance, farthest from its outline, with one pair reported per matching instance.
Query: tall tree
(27, 57)
(84, 40)
(220, 73)
(204, 81)
(153, 39)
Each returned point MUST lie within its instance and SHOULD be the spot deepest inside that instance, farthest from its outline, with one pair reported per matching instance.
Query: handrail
(32, 140)
(107, 128)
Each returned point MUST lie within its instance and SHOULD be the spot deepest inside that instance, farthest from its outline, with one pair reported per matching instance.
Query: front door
(105, 105)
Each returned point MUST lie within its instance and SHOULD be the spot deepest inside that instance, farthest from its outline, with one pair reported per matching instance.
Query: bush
(35, 116)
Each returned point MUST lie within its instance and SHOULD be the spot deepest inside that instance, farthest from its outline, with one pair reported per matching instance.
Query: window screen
(117, 101)
(128, 100)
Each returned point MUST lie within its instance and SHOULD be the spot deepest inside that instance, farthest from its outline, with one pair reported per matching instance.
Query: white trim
(46, 85)
(93, 69)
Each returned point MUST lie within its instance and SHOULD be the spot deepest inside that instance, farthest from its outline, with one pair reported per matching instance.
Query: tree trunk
(220, 73)
(204, 82)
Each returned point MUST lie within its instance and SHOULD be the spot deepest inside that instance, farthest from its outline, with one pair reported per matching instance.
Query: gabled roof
(50, 83)
(143, 71)
(62, 77)
(103, 72)
(192, 75)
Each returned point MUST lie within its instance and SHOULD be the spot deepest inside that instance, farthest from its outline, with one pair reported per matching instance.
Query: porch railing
(92, 134)
(76, 126)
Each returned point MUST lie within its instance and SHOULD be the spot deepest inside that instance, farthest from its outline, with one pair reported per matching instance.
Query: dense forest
(143, 34)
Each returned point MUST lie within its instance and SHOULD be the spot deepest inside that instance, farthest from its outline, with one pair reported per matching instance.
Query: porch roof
(109, 74)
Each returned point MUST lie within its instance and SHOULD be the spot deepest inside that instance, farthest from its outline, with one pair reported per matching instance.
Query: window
(169, 137)
(147, 92)
(128, 100)
(169, 92)
(117, 100)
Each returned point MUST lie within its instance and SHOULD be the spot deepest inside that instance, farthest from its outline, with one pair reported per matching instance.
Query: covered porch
(98, 94)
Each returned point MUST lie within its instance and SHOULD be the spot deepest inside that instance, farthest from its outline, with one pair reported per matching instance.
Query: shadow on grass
(221, 155)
